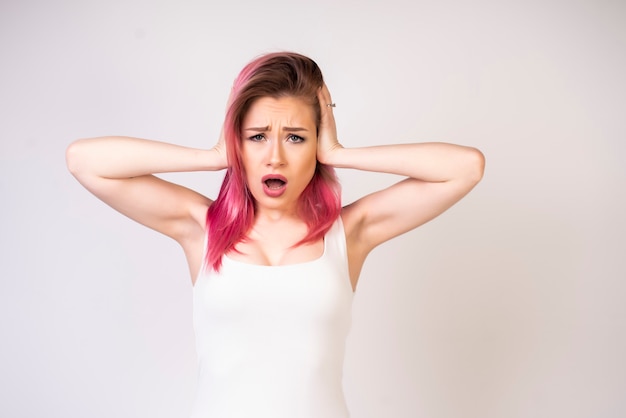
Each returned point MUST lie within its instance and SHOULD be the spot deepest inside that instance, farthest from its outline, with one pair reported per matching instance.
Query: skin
(279, 137)
(118, 169)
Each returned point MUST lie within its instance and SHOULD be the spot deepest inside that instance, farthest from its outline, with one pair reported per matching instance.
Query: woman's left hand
(327, 143)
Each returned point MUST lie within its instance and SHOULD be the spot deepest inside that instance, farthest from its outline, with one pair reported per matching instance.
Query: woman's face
(279, 150)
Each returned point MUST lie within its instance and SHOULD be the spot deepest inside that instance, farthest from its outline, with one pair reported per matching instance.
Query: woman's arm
(119, 171)
(438, 175)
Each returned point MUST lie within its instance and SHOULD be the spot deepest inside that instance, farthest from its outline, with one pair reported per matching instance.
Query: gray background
(509, 305)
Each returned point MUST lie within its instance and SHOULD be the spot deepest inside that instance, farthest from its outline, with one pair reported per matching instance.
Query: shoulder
(193, 230)
(353, 220)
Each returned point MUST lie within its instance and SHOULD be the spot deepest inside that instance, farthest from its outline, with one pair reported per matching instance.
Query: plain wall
(509, 305)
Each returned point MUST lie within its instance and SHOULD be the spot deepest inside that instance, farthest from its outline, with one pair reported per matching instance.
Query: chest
(276, 250)
(262, 298)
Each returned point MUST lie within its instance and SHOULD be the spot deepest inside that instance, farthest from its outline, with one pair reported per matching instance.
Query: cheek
(310, 169)
(248, 171)
(248, 160)
(308, 158)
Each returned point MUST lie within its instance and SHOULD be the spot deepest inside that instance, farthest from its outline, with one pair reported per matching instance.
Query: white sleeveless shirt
(271, 339)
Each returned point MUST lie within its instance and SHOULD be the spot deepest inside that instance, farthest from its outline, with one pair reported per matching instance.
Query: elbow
(476, 165)
(73, 157)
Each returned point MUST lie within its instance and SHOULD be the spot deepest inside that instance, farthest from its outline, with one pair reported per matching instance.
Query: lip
(274, 192)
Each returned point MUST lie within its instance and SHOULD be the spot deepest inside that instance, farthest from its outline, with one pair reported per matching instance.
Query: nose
(276, 157)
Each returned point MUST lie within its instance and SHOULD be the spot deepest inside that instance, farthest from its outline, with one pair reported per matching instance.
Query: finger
(326, 104)
(324, 98)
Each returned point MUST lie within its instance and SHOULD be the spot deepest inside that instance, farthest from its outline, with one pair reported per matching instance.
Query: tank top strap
(335, 245)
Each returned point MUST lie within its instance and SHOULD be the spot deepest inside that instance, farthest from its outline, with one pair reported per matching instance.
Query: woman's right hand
(220, 149)
(120, 172)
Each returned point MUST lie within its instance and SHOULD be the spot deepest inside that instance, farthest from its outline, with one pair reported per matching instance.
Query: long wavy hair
(231, 215)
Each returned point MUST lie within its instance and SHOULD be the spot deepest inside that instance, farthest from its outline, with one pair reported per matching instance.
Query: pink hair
(231, 215)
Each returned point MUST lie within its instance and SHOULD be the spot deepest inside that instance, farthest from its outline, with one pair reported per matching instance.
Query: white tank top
(271, 339)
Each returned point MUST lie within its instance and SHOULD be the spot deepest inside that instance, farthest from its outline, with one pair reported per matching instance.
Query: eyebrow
(286, 129)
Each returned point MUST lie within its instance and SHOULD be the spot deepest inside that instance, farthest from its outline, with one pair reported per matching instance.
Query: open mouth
(274, 185)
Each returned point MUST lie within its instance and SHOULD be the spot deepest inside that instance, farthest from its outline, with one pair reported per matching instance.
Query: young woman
(275, 259)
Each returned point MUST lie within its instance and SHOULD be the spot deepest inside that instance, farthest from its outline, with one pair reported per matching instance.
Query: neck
(265, 215)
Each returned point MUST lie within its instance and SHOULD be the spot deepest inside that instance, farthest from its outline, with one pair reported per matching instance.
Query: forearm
(125, 157)
(431, 162)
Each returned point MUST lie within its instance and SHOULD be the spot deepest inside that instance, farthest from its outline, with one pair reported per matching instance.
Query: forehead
(267, 111)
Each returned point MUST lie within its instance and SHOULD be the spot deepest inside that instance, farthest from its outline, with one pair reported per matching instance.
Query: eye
(256, 138)
(295, 138)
